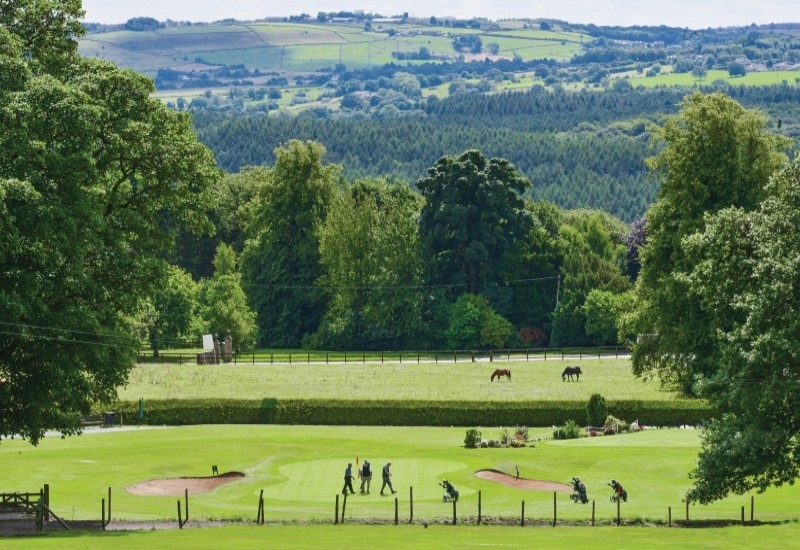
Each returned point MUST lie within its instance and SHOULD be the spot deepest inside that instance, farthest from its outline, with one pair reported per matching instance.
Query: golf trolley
(578, 491)
(450, 493)
(619, 492)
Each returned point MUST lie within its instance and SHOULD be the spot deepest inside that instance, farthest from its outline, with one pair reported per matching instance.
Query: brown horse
(501, 372)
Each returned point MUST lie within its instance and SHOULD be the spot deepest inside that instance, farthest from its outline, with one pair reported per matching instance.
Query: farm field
(531, 380)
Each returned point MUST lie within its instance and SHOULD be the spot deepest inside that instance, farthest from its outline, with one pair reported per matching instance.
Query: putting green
(303, 478)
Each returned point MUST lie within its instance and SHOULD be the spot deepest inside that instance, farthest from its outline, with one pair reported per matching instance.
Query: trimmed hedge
(177, 412)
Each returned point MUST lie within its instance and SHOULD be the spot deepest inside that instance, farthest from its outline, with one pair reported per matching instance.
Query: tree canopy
(715, 154)
(96, 178)
(747, 282)
(473, 214)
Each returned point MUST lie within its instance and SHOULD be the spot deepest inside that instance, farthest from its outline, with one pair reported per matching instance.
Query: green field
(303, 47)
(531, 380)
(299, 468)
(360, 537)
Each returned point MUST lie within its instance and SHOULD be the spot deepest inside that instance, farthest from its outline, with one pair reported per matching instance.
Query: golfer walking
(348, 479)
(387, 475)
(365, 473)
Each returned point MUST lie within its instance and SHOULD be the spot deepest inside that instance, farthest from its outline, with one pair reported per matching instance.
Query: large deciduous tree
(373, 267)
(473, 214)
(95, 180)
(224, 303)
(281, 264)
(747, 281)
(715, 154)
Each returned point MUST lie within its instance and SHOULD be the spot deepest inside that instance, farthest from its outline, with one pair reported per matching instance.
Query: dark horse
(501, 372)
(570, 372)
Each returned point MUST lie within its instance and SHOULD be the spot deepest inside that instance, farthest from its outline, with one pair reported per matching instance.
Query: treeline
(465, 262)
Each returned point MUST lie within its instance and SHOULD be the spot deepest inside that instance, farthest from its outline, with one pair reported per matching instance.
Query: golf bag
(578, 491)
(450, 492)
(619, 492)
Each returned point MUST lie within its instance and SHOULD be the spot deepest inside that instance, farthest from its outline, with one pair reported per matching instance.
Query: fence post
(479, 507)
(396, 512)
(336, 512)
(522, 517)
(344, 505)
(618, 519)
(103, 515)
(752, 504)
(742, 515)
(411, 504)
(669, 516)
(593, 503)
(46, 499)
(109, 505)
(180, 522)
(455, 502)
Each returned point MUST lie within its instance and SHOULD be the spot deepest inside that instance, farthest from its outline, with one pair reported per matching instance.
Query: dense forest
(579, 149)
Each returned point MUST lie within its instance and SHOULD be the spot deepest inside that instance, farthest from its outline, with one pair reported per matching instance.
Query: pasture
(531, 380)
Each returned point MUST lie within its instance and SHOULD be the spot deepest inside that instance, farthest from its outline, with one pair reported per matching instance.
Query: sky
(693, 14)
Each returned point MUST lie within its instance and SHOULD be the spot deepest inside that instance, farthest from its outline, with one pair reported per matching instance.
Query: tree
(475, 325)
(370, 250)
(593, 259)
(280, 263)
(715, 154)
(473, 214)
(736, 68)
(176, 307)
(96, 178)
(747, 281)
(224, 304)
(699, 72)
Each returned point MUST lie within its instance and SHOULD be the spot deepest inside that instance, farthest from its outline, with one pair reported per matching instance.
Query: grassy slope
(285, 46)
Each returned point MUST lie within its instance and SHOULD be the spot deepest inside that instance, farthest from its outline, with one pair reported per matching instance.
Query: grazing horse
(501, 372)
(570, 372)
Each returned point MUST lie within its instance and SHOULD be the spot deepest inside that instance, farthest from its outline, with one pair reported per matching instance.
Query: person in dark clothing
(348, 479)
(387, 478)
(365, 473)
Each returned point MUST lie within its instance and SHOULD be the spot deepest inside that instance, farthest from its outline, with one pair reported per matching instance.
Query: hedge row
(178, 412)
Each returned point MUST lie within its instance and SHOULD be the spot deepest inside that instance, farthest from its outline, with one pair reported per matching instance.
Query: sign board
(208, 342)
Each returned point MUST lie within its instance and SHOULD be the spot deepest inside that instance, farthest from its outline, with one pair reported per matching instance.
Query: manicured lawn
(369, 537)
(300, 470)
(533, 380)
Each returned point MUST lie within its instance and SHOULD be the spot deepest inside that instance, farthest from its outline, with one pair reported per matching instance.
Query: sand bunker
(522, 483)
(176, 486)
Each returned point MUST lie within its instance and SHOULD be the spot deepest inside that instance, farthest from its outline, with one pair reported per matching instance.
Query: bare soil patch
(176, 486)
(522, 483)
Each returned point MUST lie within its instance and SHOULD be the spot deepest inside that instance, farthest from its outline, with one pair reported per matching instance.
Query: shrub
(570, 430)
(521, 433)
(472, 439)
(596, 410)
(613, 425)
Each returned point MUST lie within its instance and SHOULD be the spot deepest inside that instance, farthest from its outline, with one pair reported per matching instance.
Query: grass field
(359, 537)
(300, 468)
(532, 380)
